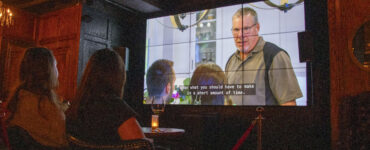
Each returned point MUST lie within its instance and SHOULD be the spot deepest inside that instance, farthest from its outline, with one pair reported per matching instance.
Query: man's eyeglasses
(237, 30)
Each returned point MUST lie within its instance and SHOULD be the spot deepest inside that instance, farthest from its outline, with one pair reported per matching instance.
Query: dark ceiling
(39, 6)
(147, 8)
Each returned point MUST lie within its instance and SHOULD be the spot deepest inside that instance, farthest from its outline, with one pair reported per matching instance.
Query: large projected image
(243, 54)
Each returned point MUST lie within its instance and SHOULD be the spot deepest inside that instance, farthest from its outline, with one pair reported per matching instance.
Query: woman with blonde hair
(34, 106)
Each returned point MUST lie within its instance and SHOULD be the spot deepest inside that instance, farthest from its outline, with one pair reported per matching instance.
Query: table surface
(162, 132)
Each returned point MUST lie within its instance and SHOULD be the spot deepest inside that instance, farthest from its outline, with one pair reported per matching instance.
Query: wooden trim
(58, 39)
(31, 3)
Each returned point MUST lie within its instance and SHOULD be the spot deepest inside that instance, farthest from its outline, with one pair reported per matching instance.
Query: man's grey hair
(245, 11)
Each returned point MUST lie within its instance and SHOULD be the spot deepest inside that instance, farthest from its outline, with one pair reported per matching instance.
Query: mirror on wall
(361, 45)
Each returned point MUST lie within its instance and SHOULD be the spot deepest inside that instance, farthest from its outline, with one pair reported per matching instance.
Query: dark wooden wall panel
(13, 41)
(100, 28)
(60, 32)
(1, 38)
(70, 21)
(24, 26)
(347, 78)
(13, 60)
(48, 27)
(94, 36)
(2, 60)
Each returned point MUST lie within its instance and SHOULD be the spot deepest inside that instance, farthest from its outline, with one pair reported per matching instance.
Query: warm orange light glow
(155, 123)
(6, 16)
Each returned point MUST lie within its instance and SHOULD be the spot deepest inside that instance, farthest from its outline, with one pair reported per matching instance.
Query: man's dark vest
(269, 52)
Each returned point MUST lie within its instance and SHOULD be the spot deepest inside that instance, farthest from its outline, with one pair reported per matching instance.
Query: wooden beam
(31, 3)
(112, 2)
(155, 3)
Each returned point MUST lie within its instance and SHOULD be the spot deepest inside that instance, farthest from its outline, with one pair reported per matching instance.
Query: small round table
(163, 132)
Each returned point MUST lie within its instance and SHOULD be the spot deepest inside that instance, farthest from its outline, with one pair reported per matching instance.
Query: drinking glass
(158, 105)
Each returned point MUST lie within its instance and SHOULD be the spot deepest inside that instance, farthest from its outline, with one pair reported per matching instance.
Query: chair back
(4, 134)
(19, 139)
(137, 144)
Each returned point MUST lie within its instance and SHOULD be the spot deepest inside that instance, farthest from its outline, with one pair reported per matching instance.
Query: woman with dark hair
(205, 75)
(34, 106)
(98, 114)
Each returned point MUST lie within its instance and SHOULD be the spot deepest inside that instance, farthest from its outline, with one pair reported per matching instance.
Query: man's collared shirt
(283, 82)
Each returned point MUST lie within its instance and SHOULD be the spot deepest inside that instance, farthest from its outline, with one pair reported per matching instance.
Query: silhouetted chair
(4, 134)
(19, 139)
(137, 144)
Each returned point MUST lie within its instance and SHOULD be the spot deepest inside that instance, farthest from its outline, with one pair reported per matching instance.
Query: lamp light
(201, 25)
(155, 122)
(6, 15)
